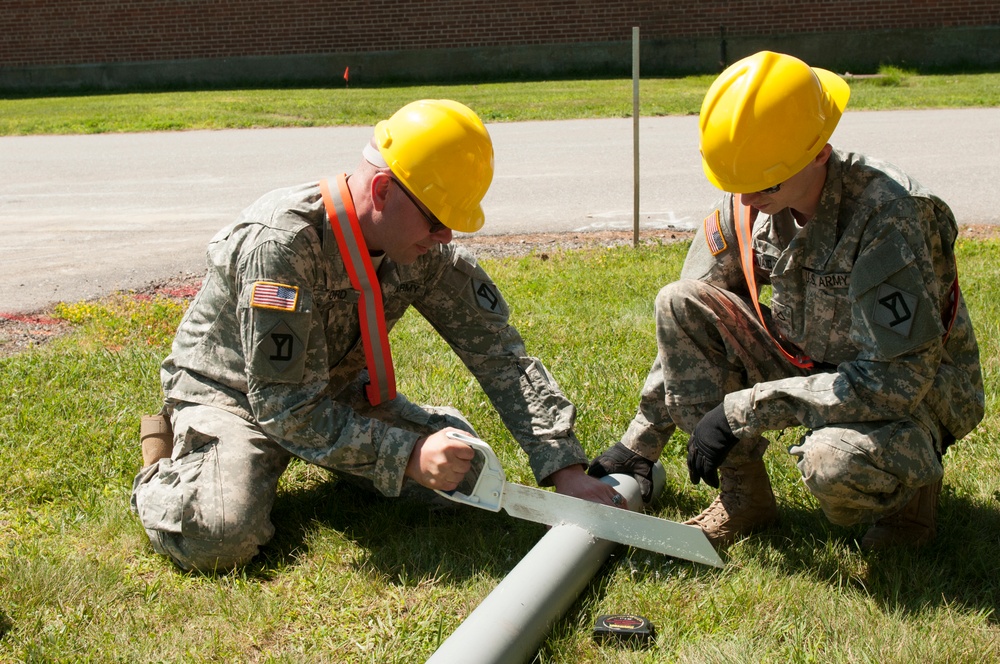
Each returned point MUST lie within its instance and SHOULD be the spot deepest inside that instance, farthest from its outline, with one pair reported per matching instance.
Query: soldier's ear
(380, 189)
(824, 154)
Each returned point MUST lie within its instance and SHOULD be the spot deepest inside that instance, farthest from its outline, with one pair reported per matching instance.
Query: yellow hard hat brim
(468, 222)
(838, 88)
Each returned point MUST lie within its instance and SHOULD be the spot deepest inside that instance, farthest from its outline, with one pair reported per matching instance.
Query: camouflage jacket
(865, 290)
(225, 353)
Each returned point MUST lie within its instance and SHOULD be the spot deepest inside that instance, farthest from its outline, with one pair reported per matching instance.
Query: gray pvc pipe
(513, 620)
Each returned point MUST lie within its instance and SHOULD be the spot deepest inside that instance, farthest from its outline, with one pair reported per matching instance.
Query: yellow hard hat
(440, 150)
(765, 118)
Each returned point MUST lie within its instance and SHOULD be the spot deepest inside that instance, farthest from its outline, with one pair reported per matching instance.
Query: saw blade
(610, 523)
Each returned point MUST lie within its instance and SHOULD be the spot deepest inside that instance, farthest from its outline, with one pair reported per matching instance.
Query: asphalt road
(83, 216)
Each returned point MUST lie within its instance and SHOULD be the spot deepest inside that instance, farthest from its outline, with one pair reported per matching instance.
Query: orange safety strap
(353, 250)
(745, 216)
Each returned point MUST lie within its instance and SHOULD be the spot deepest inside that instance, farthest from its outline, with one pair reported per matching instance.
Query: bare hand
(439, 462)
(573, 481)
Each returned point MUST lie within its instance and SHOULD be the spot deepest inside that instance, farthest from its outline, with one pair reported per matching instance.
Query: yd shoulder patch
(280, 348)
(713, 234)
(271, 295)
(895, 309)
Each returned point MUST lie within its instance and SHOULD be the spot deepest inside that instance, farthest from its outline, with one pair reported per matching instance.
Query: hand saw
(493, 492)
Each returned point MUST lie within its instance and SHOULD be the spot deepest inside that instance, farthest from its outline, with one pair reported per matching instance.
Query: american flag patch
(269, 295)
(713, 234)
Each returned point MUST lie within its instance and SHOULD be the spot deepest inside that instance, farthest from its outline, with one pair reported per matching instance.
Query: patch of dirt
(21, 331)
(979, 232)
(503, 246)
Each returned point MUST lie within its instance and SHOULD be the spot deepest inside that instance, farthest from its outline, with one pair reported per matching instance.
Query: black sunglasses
(435, 225)
(771, 190)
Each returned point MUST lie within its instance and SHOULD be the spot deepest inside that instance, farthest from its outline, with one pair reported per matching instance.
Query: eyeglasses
(435, 225)
(771, 190)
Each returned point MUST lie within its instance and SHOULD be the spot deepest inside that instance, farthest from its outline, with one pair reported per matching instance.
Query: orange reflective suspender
(354, 252)
(745, 216)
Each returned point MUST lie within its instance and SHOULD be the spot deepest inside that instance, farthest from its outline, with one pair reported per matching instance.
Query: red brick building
(117, 43)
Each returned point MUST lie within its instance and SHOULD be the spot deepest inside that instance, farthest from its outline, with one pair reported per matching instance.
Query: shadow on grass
(403, 538)
(5, 625)
(408, 541)
(959, 568)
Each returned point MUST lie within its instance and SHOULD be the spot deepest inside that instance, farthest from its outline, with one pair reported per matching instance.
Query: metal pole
(635, 136)
(514, 619)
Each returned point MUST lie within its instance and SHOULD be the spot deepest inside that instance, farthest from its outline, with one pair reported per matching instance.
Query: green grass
(353, 578)
(495, 102)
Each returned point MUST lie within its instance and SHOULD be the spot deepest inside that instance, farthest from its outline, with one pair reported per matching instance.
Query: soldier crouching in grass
(867, 342)
(284, 352)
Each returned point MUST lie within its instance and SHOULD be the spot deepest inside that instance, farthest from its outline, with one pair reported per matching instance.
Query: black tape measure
(624, 628)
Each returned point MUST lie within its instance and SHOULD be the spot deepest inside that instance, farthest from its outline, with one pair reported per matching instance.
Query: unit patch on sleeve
(280, 349)
(486, 295)
(713, 234)
(894, 309)
(270, 295)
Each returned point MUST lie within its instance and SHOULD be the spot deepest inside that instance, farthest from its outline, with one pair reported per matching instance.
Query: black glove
(620, 459)
(708, 446)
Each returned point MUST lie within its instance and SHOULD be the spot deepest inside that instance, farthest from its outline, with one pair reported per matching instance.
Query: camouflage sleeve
(714, 256)
(898, 289)
(470, 313)
(284, 343)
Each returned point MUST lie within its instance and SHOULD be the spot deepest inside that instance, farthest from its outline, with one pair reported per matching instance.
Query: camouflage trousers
(710, 342)
(208, 506)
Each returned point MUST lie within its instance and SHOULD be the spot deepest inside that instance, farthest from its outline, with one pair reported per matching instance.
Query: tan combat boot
(745, 503)
(156, 437)
(914, 525)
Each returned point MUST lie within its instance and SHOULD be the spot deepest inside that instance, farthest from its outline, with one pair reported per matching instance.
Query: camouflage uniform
(247, 388)
(862, 289)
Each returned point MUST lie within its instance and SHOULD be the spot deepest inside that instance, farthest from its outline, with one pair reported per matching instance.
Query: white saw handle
(487, 494)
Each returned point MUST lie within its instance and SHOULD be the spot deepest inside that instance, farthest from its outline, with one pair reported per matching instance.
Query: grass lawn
(354, 578)
(494, 102)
